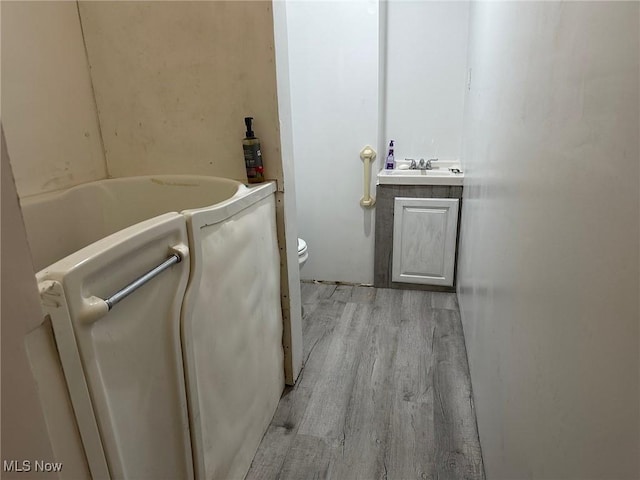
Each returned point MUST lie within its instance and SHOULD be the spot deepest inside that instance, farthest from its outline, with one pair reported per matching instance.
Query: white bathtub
(181, 378)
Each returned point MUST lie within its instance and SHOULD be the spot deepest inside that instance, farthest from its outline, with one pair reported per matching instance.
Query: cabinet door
(424, 240)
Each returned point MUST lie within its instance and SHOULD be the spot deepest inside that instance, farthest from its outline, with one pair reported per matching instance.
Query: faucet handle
(429, 167)
(412, 165)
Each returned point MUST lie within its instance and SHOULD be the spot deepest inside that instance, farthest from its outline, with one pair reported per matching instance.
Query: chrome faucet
(422, 165)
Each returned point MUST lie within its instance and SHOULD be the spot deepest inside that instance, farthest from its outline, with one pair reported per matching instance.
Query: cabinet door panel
(424, 240)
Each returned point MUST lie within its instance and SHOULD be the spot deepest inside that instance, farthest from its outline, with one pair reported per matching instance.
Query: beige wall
(549, 261)
(49, 113)
(174, 81)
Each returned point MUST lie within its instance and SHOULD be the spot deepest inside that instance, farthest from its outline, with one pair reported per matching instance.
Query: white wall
(548, 271)
(333, 62)
(364, 72)
(426, 64)
(49, 113)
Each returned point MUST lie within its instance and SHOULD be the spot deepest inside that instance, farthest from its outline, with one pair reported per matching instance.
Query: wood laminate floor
(384, 394)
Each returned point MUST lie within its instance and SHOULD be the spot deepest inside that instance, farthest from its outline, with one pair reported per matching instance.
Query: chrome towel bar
(137, 283)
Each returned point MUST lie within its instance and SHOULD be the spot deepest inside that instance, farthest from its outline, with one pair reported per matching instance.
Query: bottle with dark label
(252, 154)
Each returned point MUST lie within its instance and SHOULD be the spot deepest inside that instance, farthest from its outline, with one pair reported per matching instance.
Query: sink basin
(440, 175)
(417, 173)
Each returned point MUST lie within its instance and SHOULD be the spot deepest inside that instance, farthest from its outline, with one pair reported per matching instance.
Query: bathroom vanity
(417, 227)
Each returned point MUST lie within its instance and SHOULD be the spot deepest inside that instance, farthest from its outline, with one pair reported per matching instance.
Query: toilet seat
(302, 247)
(302, 252)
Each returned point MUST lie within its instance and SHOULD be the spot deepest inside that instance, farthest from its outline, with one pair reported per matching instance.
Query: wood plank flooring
(384, 392)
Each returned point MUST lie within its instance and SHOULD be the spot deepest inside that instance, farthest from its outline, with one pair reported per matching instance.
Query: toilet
(303, 255)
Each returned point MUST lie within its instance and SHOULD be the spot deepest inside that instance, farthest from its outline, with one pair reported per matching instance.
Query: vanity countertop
(442, 173)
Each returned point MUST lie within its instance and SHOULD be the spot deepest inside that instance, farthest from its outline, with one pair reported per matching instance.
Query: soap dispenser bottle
(391, 162)
(252, 154)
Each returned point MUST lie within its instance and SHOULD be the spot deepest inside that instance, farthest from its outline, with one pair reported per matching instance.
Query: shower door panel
(130, 356)
(232, 334)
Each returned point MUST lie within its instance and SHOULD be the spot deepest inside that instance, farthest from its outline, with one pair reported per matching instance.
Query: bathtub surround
(48, 109)
(155, 68)
(548, 269)
(174, 81)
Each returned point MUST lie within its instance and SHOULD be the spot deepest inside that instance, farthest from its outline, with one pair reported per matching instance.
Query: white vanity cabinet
(424, 240)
